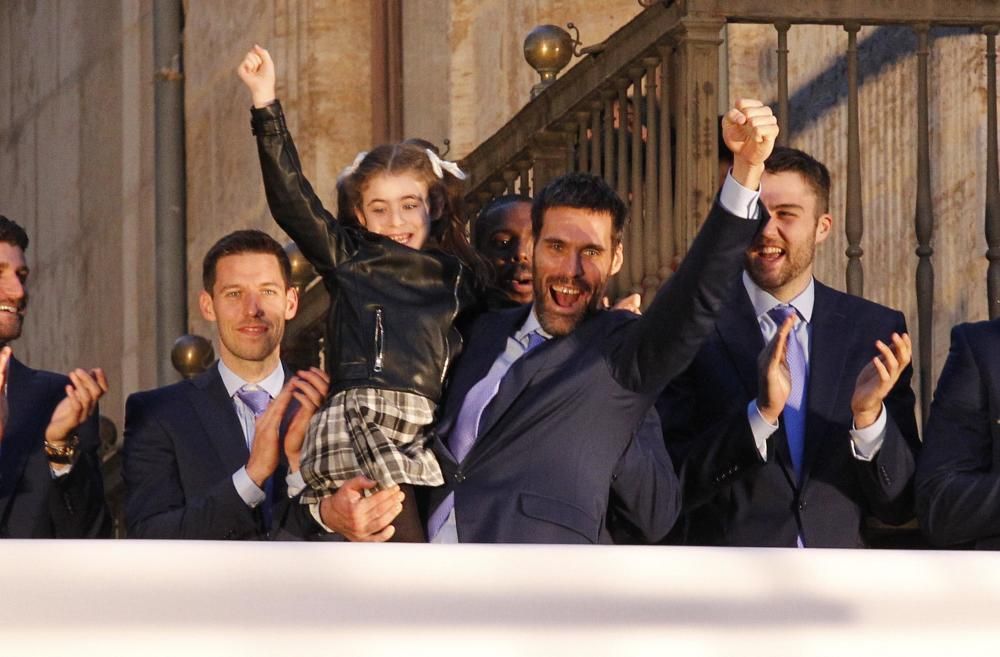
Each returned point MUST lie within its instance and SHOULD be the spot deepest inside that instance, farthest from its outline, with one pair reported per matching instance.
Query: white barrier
(141, 598)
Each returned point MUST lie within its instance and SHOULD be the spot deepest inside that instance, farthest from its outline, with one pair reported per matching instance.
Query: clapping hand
(82, 393)
(775, 378)
(310, 388)
(878, 377)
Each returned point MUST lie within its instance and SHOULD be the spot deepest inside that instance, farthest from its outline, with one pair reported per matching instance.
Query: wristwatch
(63, 454)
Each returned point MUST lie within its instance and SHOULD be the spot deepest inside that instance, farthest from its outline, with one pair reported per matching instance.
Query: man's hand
(82, 393)
(878, 377)
(631, 303)
(749, 131)
(310, 388)
(4, 360)
(257, 72)
(775, 379)
(264, 452)
(358, 518)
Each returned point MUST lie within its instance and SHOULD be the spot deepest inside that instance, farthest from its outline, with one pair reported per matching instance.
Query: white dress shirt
(865, 443)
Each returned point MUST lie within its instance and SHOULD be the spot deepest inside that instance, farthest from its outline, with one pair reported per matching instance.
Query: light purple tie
(255, 398)
(463, 435)
(794, 414)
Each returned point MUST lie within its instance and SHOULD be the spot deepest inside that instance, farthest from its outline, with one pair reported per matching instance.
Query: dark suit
(559, 433)
(733, 497)
(958, 479)
(183, 442)
(32, 503)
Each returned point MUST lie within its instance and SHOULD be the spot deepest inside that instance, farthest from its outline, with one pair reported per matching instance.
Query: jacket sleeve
(711, 447)
(957, 487)
(660, 345)
(887, 480)
(292, 200)
(155, 502)
(76, 500)
(645, 494)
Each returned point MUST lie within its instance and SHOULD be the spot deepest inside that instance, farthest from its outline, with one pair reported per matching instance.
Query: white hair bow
(352, 167)
(440, 166)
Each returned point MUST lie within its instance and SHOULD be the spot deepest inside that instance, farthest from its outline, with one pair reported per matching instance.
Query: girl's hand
(257, 72)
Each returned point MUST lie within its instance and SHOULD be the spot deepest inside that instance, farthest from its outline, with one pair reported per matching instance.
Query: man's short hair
(243, 241)
(490, 213)
(812, 171)
(12, 233)
(585, 191)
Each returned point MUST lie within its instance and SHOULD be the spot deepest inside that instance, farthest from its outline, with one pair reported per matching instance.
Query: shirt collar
(272, 383)
(531, 325)
(764, 301)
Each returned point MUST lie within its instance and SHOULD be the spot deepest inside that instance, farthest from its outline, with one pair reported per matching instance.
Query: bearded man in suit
(542, 407)
(50, 474)
(796, 419)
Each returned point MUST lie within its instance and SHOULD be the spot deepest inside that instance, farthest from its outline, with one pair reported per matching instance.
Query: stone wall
(76, 161)
(464, 69)
(321, 51)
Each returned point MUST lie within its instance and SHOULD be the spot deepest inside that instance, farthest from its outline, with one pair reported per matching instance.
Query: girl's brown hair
(444, 198)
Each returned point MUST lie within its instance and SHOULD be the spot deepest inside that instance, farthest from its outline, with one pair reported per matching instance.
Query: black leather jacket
(393, 309)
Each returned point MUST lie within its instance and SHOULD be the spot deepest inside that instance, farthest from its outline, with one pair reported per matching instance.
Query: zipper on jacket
(379, 339)
(454, 314)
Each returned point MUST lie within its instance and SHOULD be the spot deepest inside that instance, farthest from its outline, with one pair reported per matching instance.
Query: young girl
(399, 272)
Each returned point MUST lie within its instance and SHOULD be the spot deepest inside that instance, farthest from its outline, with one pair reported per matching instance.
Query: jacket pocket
(558, 512)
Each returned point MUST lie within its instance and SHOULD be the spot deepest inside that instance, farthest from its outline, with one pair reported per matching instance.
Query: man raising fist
(796, 419)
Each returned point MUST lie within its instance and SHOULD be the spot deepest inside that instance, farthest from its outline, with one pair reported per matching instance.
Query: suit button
(802, 506)
(459, 477)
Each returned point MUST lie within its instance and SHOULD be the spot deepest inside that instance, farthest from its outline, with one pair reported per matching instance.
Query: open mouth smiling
(565, 296)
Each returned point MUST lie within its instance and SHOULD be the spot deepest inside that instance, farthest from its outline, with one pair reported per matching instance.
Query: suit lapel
(484, 347)
(214, 408)
(553, 354)
(740, 334)
(831, 337)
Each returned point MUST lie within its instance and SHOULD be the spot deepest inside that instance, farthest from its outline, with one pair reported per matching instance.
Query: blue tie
(466, 429)
(794, 413)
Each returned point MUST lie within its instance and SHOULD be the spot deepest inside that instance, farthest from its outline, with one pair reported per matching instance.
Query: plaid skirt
(382, 434)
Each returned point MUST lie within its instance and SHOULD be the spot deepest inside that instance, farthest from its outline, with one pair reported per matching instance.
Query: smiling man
(203, 457)
(542, 408)
(796, 419)
(50, 475)
(502, 235)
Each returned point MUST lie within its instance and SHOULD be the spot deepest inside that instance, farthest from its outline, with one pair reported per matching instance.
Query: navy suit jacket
(560, 432)
(183, 442)
(32, 503)
(958, 479)
(732, 496)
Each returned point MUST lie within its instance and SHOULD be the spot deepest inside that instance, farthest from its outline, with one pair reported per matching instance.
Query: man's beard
(795, 262)
(556, 323)
(11, 325)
